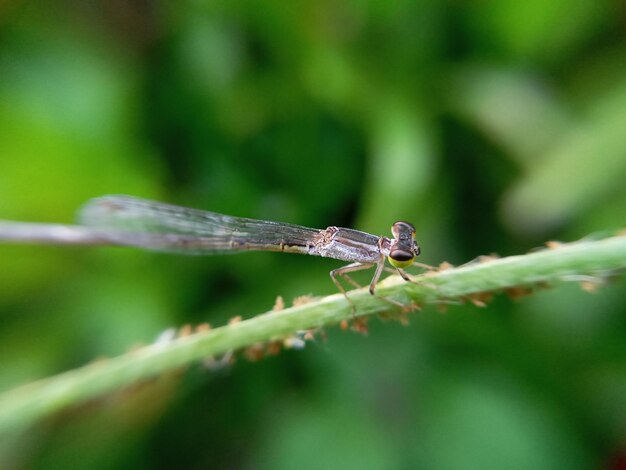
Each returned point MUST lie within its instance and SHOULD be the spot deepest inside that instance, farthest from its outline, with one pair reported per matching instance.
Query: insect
(163, 227)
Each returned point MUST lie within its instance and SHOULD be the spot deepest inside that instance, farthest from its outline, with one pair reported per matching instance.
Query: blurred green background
(492, 125)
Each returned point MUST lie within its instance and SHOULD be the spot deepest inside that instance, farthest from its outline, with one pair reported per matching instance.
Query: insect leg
(343, 272)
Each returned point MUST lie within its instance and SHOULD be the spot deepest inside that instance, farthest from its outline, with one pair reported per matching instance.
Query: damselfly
(163, 227)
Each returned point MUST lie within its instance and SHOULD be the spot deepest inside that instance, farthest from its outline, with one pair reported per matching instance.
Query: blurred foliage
(493, 125)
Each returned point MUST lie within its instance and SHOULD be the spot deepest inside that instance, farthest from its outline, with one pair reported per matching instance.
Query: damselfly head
(404, 249)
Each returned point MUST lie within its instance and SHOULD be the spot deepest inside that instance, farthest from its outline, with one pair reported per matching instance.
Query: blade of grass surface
(586, 260)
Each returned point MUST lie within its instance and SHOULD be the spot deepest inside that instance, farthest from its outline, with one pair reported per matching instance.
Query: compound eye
(401, 255)
(400, 258)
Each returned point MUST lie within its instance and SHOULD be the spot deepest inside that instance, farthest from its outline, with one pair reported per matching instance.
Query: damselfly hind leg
(350, 268)
(343, 272)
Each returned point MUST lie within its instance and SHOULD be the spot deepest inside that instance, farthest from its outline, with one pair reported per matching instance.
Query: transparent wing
(163, 227)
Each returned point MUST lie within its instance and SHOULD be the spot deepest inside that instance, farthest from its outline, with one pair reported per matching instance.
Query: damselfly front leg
(350, 268)
(406, 276)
